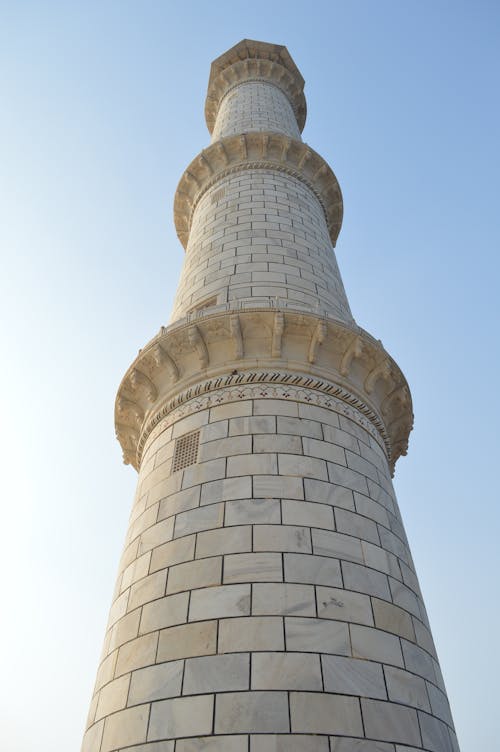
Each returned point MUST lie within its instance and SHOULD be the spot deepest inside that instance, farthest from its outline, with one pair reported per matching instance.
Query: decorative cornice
(283, 346)
(255, 61)
(257, 150)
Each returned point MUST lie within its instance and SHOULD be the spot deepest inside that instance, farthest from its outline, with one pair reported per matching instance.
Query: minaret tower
(266, 599)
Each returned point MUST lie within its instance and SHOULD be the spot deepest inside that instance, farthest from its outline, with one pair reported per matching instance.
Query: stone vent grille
(218, 195)
(186, 451)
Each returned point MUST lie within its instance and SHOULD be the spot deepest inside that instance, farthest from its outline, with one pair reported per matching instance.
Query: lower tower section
(266, 594)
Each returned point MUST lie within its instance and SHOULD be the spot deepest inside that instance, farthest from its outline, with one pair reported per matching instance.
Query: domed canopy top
(250, 60)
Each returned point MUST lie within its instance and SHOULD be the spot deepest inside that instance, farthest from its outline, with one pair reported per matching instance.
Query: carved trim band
(263, 385)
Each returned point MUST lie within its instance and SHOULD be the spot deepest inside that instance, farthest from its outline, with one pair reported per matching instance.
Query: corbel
(353, 351)
(190, 176)
(305, 156)
(223, 152)
(196, 340)
(381, 371)
(138, 378)
(243, 145)
(124, 405)
(204, 161)
(235, 329)
(278, 329)
(317, 339)
(127, 432)
(162, 358)
(399, 394)
(285, 148)
(264, 145)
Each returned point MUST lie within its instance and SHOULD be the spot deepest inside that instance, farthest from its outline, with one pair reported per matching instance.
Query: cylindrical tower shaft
(266, 598)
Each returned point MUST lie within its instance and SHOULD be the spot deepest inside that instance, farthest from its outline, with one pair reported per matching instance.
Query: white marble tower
(266, 599)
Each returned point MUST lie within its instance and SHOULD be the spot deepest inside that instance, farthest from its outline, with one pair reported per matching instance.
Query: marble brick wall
(259, 235)
(266, 598)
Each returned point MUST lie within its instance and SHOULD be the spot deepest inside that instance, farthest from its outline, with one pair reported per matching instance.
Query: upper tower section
(255, 86)
(258, 210)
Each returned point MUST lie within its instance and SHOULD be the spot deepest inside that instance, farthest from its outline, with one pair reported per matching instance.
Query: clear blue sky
(102, 110)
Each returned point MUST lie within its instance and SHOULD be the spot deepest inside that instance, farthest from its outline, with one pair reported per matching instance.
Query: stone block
(439, 704)
(253, 511)
(124, 728)
(156, 682)
(353, 677)
(225, 448)
(277, 443)
(219, 602)
(418, 661)
(374, 645)
(195, 574)
(260, 567)
(324, 450)
(181, 501)
(224, 541)
(246, 712)
(317, 636)
(338, 545)
(343, 605)
(300, 427)
(164, 612)
(307, 513)
(341, 438)
(93, 737)
(225, 489)
(436, 735)
(196, 520)
(344, 476)
(277, 487)
(392, 619)
(390, 723)
(190, 423)
(174, 552)
(303, 467)
(313, 570)
(319, 713)
(156, 535)
(250, 634)
(214, 431)
(356, 525)
(377, 558)
(289, 743)
(137, 653)
(365, 580)
(124, 630)
(286, 671)
(372, 509)
(321, 414)
(339, 744)
(214, 744)
(406, 688)
(203, 472)
(288, 538)
(327, 493)
(217, 673)
(147, 589)
(187, 640)
(112, 697)
(231, 410)
(256, 424)
(283, 599)
(182, 716)
(251, 464)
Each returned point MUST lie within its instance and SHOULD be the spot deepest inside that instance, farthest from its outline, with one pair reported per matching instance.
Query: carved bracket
(196, 340)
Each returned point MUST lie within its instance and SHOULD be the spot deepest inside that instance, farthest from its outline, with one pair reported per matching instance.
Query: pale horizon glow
(102, 112)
